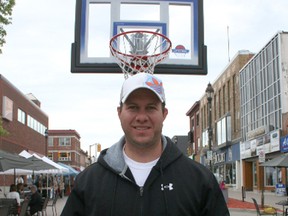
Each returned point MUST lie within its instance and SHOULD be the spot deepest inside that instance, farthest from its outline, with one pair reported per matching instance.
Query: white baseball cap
(142, 80)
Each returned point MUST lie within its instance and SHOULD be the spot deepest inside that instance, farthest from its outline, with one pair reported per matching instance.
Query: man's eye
(151, 108)
(132, 107)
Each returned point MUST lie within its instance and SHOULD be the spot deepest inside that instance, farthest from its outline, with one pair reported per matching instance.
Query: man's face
(142, 117)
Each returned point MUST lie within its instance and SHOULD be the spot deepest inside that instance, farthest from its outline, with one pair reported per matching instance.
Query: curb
(242, 210)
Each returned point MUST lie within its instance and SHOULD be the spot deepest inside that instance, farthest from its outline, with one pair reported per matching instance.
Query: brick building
(64, 147)
(226, 128)
(249, 118)
(24, 121)
(23, 118)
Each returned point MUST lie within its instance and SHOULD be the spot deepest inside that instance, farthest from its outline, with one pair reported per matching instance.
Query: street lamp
(209, 94)
(46, 143)
(97, 148)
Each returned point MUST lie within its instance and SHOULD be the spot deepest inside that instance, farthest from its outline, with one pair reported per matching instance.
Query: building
(64, 147)
(84, 159)
(194, 134)
(264, 113)
(225, 123)
(24, 120)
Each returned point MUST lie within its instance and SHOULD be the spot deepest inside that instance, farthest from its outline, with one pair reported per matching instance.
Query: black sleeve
(74, 205)
(215, 203)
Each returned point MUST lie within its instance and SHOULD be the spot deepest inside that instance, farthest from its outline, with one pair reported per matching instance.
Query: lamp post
(46, 143)
(209, 94)
(97, 148)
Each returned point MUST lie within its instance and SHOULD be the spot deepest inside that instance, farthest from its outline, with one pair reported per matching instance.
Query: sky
(36, 59)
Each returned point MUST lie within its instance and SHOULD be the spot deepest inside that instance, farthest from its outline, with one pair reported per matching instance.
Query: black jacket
(35, 203)
(176, 186)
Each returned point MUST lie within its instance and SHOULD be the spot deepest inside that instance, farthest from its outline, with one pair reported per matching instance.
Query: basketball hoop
(139, 51)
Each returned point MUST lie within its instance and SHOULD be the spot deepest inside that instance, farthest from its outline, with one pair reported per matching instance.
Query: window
(64, 141)
(50, 155)
(260, 91)
(224, 130)
(270, 176)
(64, 156)
(21, 116)
(255, 179)
(230, 170)
(7, 108)
(35, 125)
(50, 141)
(192, 122)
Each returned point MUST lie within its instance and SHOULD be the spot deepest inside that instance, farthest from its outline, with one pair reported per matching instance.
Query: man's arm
(74, 205)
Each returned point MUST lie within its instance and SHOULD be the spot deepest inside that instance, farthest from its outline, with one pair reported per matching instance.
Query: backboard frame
(107, 68)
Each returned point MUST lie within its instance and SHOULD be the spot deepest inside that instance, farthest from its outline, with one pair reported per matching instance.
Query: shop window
(64, 156)
(270, 176)
(230, 177)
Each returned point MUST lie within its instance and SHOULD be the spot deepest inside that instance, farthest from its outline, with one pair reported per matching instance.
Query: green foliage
(3, 132)
(6, 7)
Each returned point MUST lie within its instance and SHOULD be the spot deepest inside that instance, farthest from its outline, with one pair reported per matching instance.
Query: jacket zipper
(141, 190)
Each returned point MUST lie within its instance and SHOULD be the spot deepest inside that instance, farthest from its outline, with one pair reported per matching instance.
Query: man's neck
(143, 155)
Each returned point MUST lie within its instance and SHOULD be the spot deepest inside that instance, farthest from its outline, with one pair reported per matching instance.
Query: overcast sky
(36, 59)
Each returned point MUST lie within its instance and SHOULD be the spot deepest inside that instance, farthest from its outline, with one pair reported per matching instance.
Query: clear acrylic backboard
(96, 22)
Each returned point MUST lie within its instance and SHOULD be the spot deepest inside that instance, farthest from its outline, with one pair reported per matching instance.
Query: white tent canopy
(58, 168)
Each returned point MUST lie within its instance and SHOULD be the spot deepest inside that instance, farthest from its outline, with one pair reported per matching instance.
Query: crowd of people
(36, 191)
(55, 183)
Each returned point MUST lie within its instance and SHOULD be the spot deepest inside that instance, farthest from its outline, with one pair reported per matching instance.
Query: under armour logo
(169, 186)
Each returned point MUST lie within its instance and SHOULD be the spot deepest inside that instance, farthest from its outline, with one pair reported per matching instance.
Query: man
(19, 180)
(35, 202)
(145, 173)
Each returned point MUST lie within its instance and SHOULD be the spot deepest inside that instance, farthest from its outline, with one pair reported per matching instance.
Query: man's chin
(142, 141)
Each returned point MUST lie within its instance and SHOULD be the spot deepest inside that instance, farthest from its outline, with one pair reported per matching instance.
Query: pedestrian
(55, 186)
(13, 194)
(20, 190)
(144, 173)
(35, 202)
(19, 180)
(61, 187)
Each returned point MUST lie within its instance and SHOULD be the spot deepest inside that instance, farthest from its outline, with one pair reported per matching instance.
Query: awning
(72, 171)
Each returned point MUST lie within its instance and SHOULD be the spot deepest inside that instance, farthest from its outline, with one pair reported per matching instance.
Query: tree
(3, 132)
(6, 7)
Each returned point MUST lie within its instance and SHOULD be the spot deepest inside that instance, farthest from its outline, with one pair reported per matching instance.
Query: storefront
(253, 153)
(224, 163)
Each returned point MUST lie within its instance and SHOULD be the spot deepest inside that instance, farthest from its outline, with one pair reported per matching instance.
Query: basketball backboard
(98, 21)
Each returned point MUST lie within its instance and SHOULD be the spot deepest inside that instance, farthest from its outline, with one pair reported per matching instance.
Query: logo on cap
(155, 84)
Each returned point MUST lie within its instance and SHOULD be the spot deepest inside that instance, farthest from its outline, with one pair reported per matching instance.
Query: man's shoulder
(95, 169)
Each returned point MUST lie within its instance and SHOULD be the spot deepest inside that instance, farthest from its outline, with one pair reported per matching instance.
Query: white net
(139, 51)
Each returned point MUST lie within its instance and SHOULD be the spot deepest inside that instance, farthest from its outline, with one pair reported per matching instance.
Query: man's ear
(165, 113)
(119, 108)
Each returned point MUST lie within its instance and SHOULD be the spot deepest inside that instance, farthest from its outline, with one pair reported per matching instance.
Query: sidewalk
(59, 206)
(235, 204)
